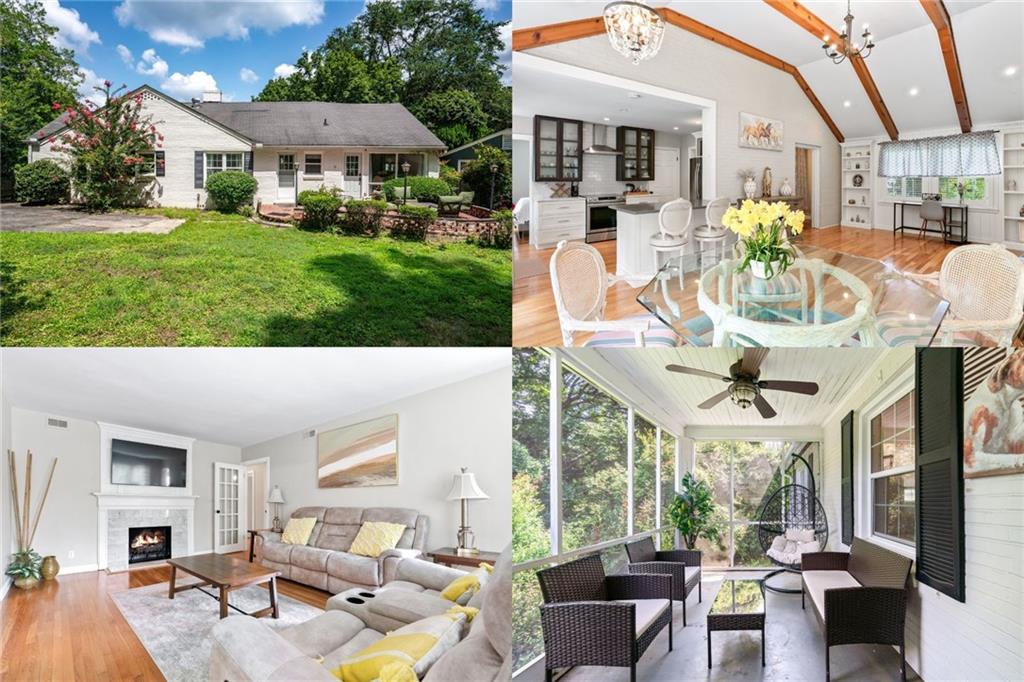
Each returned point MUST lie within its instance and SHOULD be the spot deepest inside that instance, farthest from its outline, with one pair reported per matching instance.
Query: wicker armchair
(682, 564)
(860, 597)
(590, 618)
(984, 284)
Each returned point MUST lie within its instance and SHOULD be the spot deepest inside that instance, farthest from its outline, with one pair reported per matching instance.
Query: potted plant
(762, 230)
(25, 568)
(694, 513)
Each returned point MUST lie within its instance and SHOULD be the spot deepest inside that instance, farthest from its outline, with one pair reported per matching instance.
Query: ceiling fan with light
(745, 383)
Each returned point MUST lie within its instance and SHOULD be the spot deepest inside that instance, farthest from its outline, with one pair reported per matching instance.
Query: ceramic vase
(750, 187)
(50, 567)
(785, 190)
(757, 269)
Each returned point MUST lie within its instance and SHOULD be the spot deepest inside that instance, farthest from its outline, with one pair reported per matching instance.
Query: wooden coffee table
(227, 574)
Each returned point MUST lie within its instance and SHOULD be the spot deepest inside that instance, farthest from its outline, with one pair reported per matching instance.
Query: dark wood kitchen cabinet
(637, 159)
(557, 149)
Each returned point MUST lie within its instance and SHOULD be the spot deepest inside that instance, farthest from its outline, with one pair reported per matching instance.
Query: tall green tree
(33, 75)
(453, 115)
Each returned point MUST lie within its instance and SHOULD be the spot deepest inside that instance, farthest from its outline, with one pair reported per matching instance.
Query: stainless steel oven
(602, 217)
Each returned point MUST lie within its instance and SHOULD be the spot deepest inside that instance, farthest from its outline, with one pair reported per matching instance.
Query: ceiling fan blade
(805, 387)
(766, 410)
(714, 400)
(752, 359)
(696, 372)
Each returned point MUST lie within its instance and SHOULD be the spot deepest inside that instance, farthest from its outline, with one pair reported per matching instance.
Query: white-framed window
(314, 164)
(903, 188)
(976, 190)
(352, 165)
(891, 490)
(222, 161)
(147, 169)
(286, 162)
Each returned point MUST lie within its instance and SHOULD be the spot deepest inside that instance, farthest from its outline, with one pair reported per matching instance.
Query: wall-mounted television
(134, 463)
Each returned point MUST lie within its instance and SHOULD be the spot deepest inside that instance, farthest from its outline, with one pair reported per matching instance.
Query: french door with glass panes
(228, 507)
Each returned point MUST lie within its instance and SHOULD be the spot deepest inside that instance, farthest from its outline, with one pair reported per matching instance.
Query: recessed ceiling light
(846, 103)
(1010, 71)
(606, 118)
(913, 92)
(675, 127)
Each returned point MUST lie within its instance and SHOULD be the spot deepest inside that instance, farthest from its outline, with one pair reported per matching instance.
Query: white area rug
(176, 632)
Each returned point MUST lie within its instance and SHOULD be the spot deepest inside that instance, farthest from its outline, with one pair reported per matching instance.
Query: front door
(286, 178)
(228, 504)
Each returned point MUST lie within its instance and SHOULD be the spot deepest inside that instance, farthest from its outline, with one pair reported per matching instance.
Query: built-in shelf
(852, 155)
(1013, 222)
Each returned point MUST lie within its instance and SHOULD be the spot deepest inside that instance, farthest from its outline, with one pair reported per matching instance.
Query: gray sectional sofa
(324, 561)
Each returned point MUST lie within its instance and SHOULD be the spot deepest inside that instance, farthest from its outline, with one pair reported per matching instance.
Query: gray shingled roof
(51, 127)
(302, 123)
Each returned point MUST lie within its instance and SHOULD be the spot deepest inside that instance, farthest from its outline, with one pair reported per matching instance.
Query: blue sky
(184, 47)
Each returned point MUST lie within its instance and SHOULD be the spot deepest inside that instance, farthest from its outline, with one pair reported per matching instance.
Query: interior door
(286, 177)
(666, 174)
(228, 508)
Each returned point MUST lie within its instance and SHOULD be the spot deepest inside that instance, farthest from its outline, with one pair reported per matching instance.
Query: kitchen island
(636, 224)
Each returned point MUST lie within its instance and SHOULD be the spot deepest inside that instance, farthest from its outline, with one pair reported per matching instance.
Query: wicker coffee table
(739, 605)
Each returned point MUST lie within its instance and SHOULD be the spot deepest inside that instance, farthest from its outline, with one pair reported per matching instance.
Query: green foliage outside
(453, 115)
(412, 222)
(451, 177)
(694, 513)
(333, 190)
(231, 190)
(974, 188)
(220, 280)
(364, 216)
(421, 188)
(34, 74)
(25, 564)
(41, 182)
(476, 177)
(320, 211)
(496, 235)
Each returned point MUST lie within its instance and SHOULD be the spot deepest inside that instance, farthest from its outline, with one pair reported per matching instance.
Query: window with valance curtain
(967, 155)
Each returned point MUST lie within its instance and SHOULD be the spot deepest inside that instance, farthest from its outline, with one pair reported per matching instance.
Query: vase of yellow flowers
(762, 229)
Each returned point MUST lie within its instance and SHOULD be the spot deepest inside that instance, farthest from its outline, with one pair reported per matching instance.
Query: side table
(449, 557)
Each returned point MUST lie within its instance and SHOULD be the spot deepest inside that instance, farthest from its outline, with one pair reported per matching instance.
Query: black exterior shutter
(247, 162)
(161, 164)
(847, 478)
(199, 170)
(939, 469)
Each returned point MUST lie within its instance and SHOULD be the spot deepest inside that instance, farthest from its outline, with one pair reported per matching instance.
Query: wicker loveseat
(682, 564)
(860, 597)
(590, 618)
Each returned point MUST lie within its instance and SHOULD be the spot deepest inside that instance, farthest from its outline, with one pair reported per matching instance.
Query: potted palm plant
(761, 228)
(694, 513)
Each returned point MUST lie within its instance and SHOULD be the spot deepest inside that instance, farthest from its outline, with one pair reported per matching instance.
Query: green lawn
(221, 280)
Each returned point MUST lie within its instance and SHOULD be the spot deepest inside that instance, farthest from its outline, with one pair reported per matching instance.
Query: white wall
(693, 65)
(463, 424)
(948, 640)
(7, 540)
(204, 454)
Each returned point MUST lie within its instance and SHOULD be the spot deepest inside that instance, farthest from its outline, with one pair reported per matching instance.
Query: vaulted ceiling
(905, 85)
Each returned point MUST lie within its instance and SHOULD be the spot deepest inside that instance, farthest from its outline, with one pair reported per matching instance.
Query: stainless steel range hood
(599, 142)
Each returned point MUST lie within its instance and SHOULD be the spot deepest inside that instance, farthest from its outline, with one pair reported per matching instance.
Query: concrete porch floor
(794, 647)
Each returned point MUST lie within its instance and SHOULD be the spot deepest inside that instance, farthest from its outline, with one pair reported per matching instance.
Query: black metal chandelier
(846, 47)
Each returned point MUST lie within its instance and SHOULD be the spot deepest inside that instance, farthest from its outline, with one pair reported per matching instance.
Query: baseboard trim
(5, 587)
(82, 568)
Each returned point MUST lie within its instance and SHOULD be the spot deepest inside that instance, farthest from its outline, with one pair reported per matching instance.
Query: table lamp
(276, 499)
(464, 489)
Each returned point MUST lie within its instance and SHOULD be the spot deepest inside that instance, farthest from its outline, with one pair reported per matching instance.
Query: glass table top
(822, 287)
(738, 596)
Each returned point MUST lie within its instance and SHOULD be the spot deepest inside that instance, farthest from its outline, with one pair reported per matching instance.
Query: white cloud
(150, 64)
(284, 70)
(505, 31)
(248, 75)
(125, 54)
(72, 32)
(165, 22)
(87, 88)
(487, 5)
(191, 85)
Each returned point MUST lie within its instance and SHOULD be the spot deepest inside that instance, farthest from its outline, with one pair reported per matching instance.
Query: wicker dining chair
(589, 618)
(682, 564)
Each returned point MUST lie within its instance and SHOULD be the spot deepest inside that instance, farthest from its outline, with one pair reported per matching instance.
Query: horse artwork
(993, 414)
(758, 132)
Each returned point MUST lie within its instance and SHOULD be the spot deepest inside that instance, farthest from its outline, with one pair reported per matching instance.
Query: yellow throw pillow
(297, 531)
(411, 649)
(469, 611)
(375, 537)
(465, 584)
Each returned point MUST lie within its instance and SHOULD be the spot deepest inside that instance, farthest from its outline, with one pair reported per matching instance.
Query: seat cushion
(405, 585)
(658, 336)
(353, 568)
(647, 611)
(816, 582)
(323, 634)
(706, 232)
(277, 552)
(310, 558)
(407, 606)
(667, 241)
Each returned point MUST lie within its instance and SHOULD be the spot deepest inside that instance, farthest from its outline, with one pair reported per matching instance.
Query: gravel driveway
(18, 218)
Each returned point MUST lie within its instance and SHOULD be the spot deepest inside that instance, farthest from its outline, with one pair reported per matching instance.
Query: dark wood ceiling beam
(936, 11)
(810, 22)
(538, 36)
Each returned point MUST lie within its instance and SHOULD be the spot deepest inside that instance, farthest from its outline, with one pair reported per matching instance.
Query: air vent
(309, 434)
(57, 423)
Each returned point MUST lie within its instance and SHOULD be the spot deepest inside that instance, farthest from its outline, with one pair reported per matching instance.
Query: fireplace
(150, 543)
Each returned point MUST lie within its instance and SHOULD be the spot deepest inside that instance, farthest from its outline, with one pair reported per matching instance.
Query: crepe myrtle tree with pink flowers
(110, 149)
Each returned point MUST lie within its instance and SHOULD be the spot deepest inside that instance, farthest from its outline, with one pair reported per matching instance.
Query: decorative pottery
(851, 202)
(50, 567)
(757, 269)
(750, 187)
(766, 182)
(858, 180)
(856, 166)
(1022, 211)
(863, 200)
(785, 189)
(1013, 185)
(26, 583)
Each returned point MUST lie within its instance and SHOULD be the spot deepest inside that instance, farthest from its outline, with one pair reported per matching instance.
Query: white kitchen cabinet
(558, 219)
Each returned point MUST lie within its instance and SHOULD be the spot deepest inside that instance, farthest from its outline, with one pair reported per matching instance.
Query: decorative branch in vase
(761, 227)
(26, 564)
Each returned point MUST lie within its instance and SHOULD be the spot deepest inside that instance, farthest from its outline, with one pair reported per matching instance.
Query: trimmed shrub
(421, 188)
(451, 177)
(413, 222)
(363, 216)
(498, 234)
(320, 211)
(476, 176)
(323, 189)
(41, 182)
(231, 190)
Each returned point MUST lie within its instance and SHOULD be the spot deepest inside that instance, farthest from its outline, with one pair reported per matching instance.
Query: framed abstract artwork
(993, 412)
(758, 132)
(359, 455)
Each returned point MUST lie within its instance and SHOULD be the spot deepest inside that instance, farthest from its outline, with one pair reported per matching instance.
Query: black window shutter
(847, 478)
(939, 469)
(199, 170)
(247, 162)
(161, 164)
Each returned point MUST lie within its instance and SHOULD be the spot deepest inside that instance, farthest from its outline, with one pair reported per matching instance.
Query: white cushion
(800, 534)
(667, 241)
(812, 546)
(816, 582)
(782, 556)
(647, 611)
(707, 232)
(779, 544)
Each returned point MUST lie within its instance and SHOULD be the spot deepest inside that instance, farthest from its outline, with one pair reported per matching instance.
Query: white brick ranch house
(286, 146)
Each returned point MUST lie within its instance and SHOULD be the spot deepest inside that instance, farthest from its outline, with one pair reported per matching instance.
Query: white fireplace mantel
(147, 501)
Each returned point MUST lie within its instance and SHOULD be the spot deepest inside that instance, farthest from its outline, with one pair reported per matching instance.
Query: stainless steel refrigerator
(696, 182)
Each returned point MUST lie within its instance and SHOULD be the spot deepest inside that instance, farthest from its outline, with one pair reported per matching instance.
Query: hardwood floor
(70, 628)
(535, 322)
